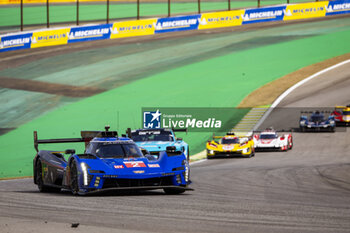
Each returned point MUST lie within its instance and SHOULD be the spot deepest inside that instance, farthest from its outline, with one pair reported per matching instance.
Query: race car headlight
(84, 168)
(245, 150)
(302, 122)
(186, 174)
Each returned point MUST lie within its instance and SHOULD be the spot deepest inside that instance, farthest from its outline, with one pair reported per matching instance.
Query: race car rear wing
(230, 134)
(86, 136)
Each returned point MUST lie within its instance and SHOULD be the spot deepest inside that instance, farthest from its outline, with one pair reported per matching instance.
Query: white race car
(271, 140)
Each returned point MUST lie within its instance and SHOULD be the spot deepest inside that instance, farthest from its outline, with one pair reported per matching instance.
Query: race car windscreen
(229, 141)
(118, 151)
(268, 136)
(152, 135)
(346, 113)
(317, 118)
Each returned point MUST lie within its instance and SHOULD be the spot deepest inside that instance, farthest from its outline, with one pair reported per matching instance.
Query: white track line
(287, 92)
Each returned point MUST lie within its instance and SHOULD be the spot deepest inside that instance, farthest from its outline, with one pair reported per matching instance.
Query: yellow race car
(230, 145)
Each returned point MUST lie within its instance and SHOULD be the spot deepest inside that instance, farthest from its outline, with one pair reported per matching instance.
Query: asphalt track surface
(306, 189)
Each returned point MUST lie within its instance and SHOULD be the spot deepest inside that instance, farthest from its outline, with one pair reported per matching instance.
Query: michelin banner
(305, 10)
(179, 23)
(50, 38)
(221, 19)
(95, 32)
(338, 7)
(133, 28)
(14, 42)
(265, 14)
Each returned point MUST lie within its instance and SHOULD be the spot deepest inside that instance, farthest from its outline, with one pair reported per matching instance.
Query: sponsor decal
(133, 28)
(227, 147)
(118, 166)
(50, 38)
(139, 172)
(153, 165)
(263, 14)
(96, 32)
(221, 19)
(110, 176)
(14, 42)
(338, 7)
(179, 23)
(305, 10)
(135, 164)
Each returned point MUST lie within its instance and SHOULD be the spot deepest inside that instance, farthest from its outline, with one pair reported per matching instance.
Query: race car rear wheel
(74, 186)
(290, 144)
(173, 191)
(39, 180)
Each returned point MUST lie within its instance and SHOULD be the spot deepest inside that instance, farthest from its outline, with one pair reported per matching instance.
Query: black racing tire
(302, 129)
(290, 145)
(39, 180)
(188, 153)
(173, 191)
(73, 183)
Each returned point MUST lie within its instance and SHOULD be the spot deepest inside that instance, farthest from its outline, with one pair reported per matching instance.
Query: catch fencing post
(138, 9)
(107, 11)
(47, 14)
(229, 5)
(21, 15)
(199, 6)
(168, 8)
(77, 12)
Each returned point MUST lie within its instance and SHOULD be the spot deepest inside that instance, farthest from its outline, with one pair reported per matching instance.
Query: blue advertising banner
(180, 23)
(96, 32)
(263, 14)
(14, 42)
(338, 7)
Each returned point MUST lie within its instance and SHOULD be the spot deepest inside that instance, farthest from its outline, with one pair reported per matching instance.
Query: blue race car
(109, 163)
(157, 140)
(316, 122)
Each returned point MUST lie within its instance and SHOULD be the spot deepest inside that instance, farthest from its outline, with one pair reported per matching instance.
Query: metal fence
(75, 12)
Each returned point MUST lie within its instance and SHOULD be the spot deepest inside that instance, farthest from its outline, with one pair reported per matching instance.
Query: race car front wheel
(74, 178)
(173, 191)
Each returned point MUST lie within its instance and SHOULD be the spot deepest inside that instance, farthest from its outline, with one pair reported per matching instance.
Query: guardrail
(67, 35)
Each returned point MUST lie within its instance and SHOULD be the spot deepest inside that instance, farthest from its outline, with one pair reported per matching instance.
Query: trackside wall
(67, 35)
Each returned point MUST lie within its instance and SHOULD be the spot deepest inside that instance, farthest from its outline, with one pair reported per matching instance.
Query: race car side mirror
(178, 139)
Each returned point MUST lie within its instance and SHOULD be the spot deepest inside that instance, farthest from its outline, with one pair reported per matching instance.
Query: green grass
(217, 82)
(34, 15)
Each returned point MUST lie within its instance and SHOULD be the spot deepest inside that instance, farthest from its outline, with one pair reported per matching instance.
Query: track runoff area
(303, 190)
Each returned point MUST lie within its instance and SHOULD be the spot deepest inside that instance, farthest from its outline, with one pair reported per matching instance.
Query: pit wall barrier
(61, 36)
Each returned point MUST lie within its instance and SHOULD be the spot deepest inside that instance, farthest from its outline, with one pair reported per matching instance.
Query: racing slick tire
(290, 144)
(173, 191)
(39, 180)
(74, 186)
